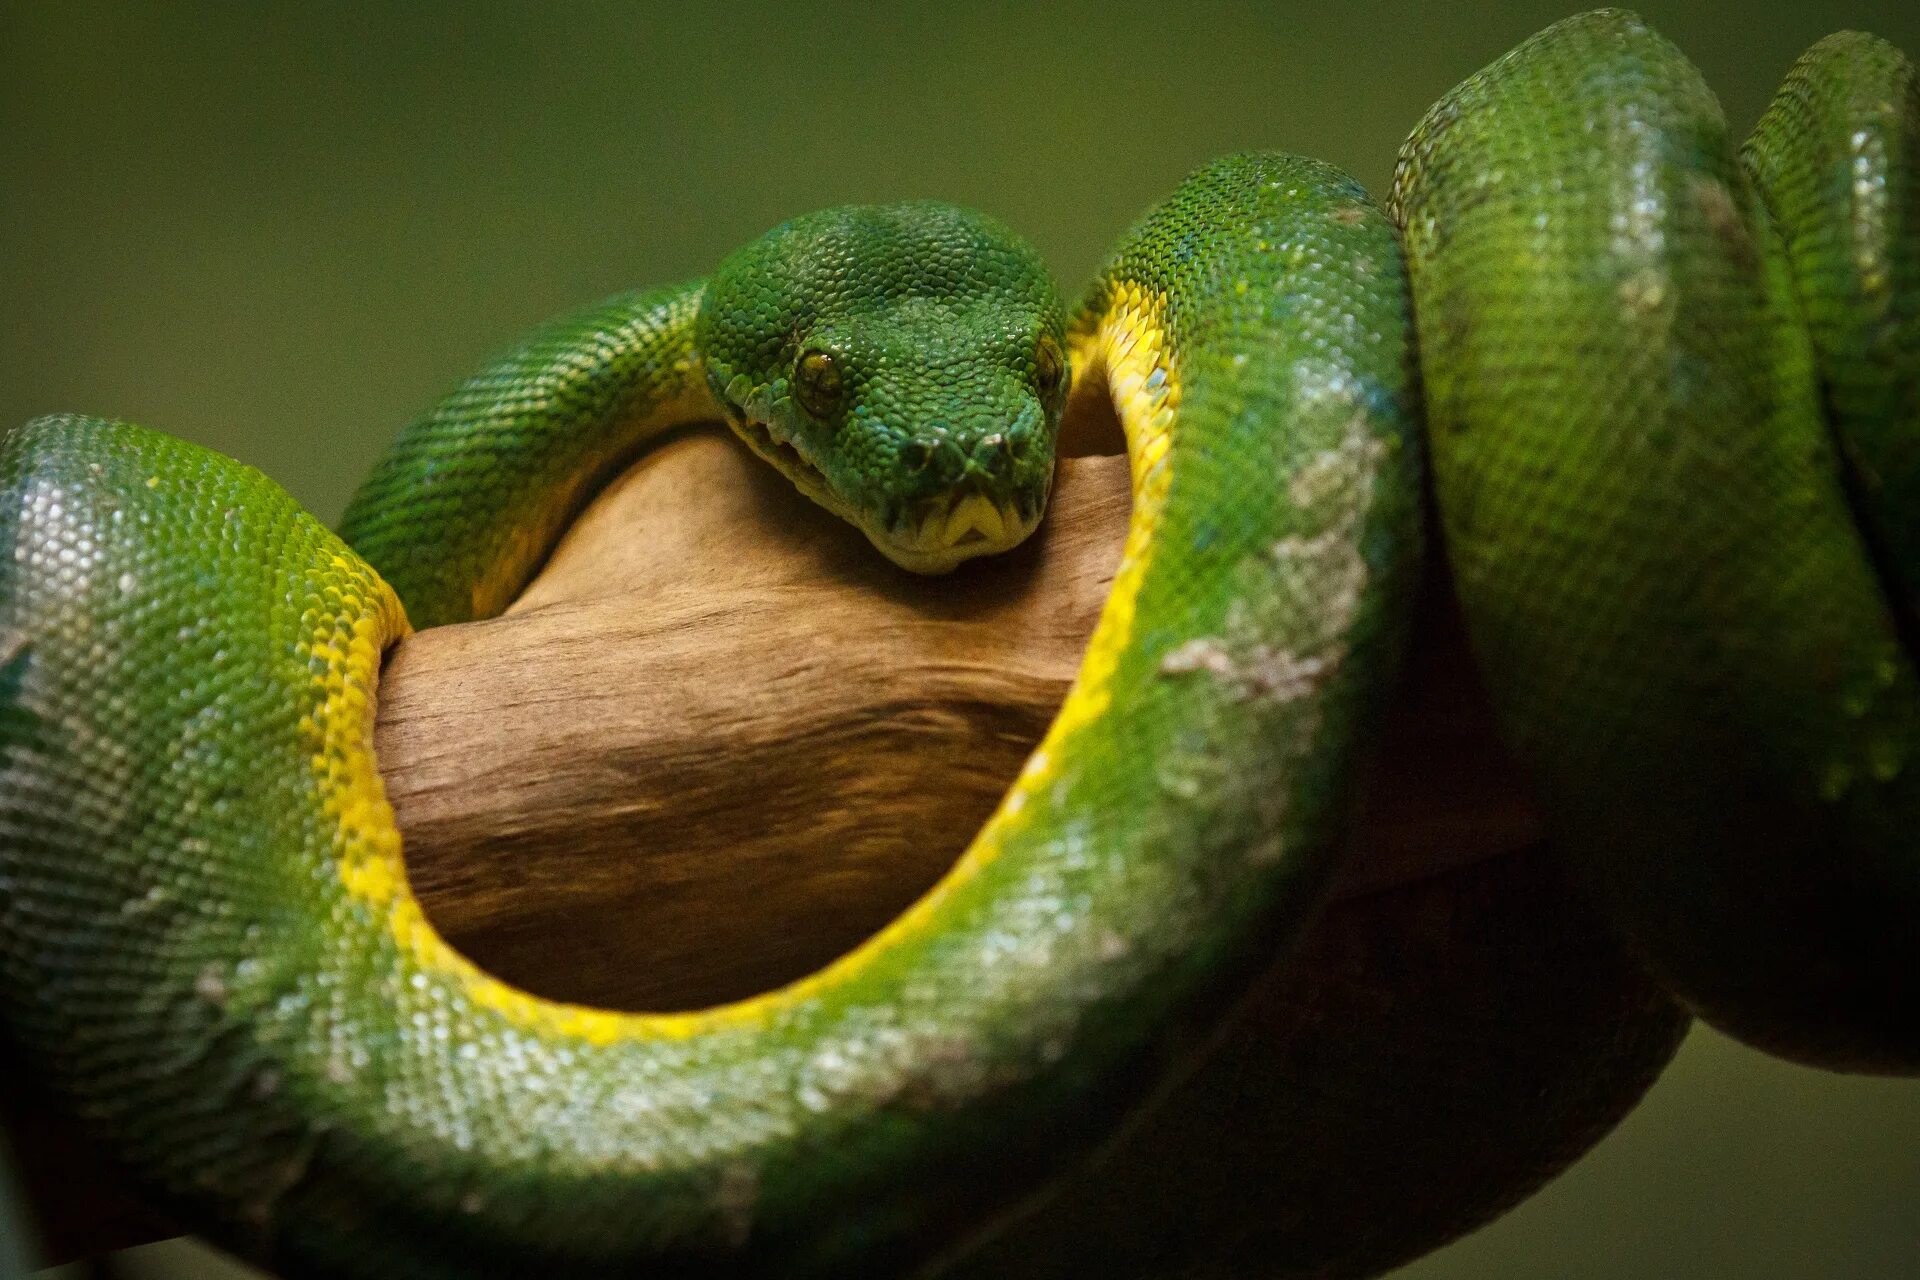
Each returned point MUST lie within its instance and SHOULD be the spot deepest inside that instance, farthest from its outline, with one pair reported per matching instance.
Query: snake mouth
(937, 536)
(789, 462)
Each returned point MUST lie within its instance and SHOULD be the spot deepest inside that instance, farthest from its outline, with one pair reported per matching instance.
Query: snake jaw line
(777, 448)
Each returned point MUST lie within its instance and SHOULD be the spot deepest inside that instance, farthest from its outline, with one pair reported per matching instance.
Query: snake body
(1625, 338)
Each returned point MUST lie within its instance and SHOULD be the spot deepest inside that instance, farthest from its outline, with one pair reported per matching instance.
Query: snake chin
(941, 534)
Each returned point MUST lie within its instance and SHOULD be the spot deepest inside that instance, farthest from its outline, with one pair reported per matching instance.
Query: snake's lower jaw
(956, 529)
(935, 539)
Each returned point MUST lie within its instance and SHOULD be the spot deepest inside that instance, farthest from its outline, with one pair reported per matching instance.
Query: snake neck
(466, 506)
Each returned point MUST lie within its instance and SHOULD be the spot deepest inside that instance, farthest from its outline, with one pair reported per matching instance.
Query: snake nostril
(951, 460)
(994, 454)
(916, 454)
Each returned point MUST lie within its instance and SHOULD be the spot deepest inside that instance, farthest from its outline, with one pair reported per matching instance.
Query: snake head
(903, 365)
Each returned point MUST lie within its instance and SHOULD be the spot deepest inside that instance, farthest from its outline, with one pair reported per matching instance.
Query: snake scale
(1667, 394)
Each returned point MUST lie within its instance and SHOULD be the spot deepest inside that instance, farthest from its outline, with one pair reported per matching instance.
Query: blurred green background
(282, 231)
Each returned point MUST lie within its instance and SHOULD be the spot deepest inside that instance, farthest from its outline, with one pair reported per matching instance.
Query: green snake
(1668, 392)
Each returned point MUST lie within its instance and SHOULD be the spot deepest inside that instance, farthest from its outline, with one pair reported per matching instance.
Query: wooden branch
(719, 741)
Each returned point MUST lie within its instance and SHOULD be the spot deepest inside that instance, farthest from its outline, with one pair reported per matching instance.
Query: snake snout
(947, 461)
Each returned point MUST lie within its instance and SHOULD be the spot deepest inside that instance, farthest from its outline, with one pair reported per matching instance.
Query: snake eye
(1049, 367)
(817, 384)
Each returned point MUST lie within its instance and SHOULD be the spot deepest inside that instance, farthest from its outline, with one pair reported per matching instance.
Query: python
(1667, 388)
